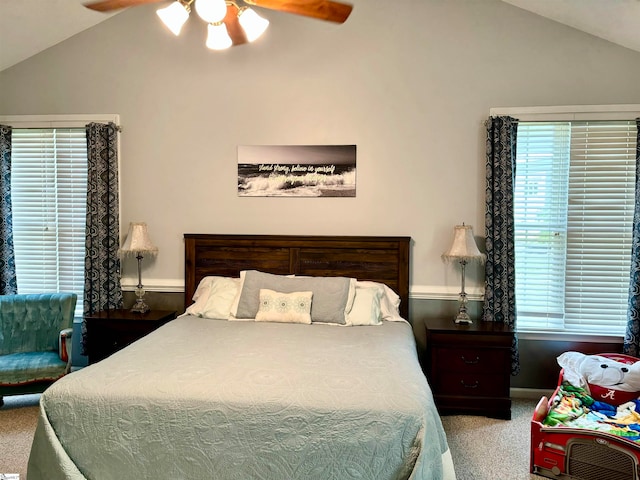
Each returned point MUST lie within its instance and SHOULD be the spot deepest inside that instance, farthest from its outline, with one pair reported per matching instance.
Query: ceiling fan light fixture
(211, 11)
(174, 16)
(253, 24)
(231, 22)
(218, 38)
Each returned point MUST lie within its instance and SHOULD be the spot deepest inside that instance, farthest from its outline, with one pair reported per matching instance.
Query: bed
(271, 397)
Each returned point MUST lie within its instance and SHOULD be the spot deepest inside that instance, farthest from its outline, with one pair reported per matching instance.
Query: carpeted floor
(18, 418)
(489, 449)
(482, 448)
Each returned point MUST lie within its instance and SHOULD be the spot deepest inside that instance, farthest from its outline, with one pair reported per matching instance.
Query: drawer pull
(470, 362)
(466, 385)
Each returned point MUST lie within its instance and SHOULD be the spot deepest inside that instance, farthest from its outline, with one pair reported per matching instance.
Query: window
(573, 212)
(48, 194)
(49, 185)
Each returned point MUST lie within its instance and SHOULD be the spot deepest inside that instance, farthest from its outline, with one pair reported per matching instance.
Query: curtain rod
(51, 121)
(52, 125)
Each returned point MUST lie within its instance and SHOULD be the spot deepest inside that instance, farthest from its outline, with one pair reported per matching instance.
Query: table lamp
(463, 250)
(139, 244)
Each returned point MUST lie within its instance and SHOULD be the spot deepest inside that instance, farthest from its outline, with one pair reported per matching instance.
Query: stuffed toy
(611, 378)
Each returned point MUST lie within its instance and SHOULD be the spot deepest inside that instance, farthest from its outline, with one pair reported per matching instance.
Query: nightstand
(111, 330)
(469, 367)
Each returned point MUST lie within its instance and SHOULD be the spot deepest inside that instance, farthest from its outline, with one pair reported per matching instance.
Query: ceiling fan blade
(108, 5)
(320, 9)
(235, 31)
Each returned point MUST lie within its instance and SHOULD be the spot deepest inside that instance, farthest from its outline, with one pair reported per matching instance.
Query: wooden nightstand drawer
(467, 339)
(482, 360)
(478, 384)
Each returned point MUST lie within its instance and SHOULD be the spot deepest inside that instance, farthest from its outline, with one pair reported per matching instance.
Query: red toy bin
(581, 454)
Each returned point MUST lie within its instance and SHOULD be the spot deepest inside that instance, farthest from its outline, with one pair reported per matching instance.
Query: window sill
(570, 337)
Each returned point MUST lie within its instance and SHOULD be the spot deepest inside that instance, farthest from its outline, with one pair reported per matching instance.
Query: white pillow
(366, 307)
(389, 303)
(292, 307)
(213, 297)
(202, 292)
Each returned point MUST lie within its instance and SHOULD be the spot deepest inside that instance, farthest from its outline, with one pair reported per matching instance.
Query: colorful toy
(614, 378)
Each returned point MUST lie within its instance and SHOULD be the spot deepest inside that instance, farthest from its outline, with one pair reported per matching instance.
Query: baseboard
(530, 393)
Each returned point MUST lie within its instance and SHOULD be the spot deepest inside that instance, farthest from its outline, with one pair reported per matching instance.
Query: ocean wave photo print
(297, 170)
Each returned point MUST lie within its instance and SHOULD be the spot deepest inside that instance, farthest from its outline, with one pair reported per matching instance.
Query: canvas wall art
(297, 171)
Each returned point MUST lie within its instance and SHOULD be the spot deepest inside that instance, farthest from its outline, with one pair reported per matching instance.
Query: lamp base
(463, 318)
(140, 307)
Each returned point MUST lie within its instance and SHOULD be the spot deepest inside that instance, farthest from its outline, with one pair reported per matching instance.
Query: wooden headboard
(379, 259)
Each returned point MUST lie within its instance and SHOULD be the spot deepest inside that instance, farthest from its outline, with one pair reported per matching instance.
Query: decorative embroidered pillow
(292, 307)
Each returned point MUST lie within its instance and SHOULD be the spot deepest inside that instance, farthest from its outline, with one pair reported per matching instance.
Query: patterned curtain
(632, 335)
(102, 264)
(500, 288)
(8, 282)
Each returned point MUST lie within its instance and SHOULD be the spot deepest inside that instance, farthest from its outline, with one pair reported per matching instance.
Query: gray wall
(411, 86)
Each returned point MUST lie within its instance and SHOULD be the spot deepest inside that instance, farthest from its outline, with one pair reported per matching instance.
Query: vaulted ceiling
(28, 27)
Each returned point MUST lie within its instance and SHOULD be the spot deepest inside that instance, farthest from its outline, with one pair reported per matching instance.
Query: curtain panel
(8, 281)
(102, 263)
(632, 334)
(500, 275)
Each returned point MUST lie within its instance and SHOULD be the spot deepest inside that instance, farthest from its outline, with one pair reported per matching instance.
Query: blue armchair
(35, 341)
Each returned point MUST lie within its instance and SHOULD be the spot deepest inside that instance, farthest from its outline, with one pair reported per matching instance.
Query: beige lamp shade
(138, 241)
(464, 246)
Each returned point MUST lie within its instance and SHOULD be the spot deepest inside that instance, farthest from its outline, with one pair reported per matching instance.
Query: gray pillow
(330, 294)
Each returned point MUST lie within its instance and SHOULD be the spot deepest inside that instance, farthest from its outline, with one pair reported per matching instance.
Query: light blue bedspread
(211, 399)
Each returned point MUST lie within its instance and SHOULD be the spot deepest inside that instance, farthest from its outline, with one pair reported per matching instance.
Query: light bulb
(174, 16)
(253, 24)
(211, 11)
(218, 38)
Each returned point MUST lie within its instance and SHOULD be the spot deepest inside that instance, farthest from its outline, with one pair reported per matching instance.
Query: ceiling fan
(230, 22)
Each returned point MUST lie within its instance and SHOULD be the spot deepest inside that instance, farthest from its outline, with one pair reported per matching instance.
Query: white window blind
(48, 190)
(573, 209)
(540, 217)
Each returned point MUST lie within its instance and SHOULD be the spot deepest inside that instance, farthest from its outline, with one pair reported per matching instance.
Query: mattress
(201, 398)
